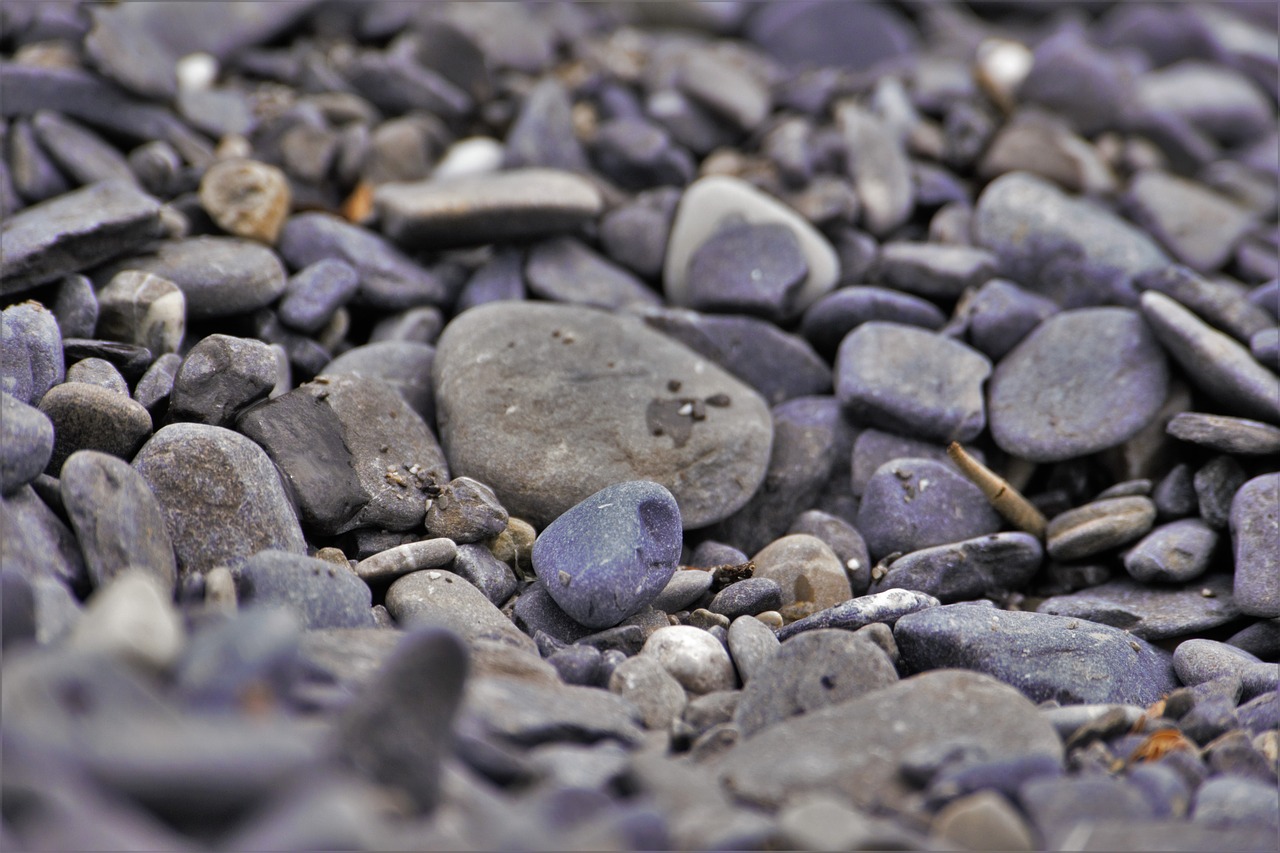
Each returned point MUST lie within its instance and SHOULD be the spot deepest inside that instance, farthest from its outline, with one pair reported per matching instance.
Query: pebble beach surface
(639, 426)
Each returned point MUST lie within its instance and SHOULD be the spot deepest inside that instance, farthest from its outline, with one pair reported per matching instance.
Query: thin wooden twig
(1007, 500)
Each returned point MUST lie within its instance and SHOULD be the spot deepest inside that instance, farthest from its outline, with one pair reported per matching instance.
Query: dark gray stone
(752, 645)
(404, 365)
(89, 417)
(1001, 314)
(1044, 656)
(856, 613)
(527, 714)
(1225, 434)
(500, 278)
(747, 269)
(542, 133)
(537, 614)
(1152, 613)
(84, 156)
(441, 598)
(144, 309)
(1057, 806)
(26, 443)
(578, 665)
(654, 691)
(637, 154)
(254, 648)
(827, 321)
(321, 594)
(313, 293)
(1098, 526)
(35, 175)
(1216, 483)
(221, 497)
(1213, 98)
(911, 504)
(32, 347)
(156, 385)
(221, 377)
(130, 359)
(76, 306)
(685, 588)
(747, 598)
(966, 570)
(634, 233)
(1173, 553)
(477, 565)
(100, 372)
(563, 269)
(1222, 303)
(1255, 517)
(465, 511)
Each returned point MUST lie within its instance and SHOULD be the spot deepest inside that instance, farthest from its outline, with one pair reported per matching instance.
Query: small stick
(1007, 500)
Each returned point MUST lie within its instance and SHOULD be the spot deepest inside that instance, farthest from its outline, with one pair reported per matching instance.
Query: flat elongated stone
(966, 570)
(1151, 612)
(90, 417)
(881, 172)
(1255, 525)
(883, 607)
(443, 599)
(1225, 434)
(1098, 526)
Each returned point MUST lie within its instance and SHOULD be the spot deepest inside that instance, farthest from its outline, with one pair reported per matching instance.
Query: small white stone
(133, 619)
(694, 657)
(196, 71)
(475, 155)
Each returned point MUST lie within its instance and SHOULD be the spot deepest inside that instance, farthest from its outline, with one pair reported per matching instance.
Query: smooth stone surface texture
(140, 308)
(90, 417)
(321, 594)
(966, 570)
(747, 269)
(577, 399)
(403, 364)
(1172, 553)
(31, 343)
(1225, 434)
(693, 656)
(1044, 656)
(806, 570)
(221, 497)
(911, 504)
(563, 269)
(1098, 526)
(1081, 382)
(1255, 528)
(611, 554)
(26, 443)
(220, 377)
(1152, 613)
(443, 599)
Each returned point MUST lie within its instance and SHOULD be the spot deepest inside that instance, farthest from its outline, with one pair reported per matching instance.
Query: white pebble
(475, 155)
(133, 619)
(694, 657)
(196, 71)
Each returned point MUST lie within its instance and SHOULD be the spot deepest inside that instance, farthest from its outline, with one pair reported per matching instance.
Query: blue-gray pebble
(26, 443)
(916, 503)
(320, 593)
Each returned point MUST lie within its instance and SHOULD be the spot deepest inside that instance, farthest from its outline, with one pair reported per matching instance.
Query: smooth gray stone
(89, 417)
(935, 271)
(31, 344)
(321, 594)
(1198, 226)
(1199, 661)
(84, 156)
(635, 233)
(966, 570)
(441, 598)
(1081, 382)
(912, 381)
(1225, 434)
(1152, 613)
(116, 518)
(1216, 483)
(878, 164)
(810, 671)
(527, 714)
(410, 557)
(856, 747)
(351, 452)
(192, 469)
(728, 89)
(1001, 314)
(74, 232)
(35, 176)
(654, 691)
(1037, 141)
(156, 385)
(420, 325)
(541, 449)
(827, 321)
(1253, 520)
(1098, 526)
(100, 372)
(1100, 91)
(857, 613)
(537, 614)
(220, 377)
(1173, 553)
(26, 443)
(1262, 639)
(542, 133)
(843, 539)
(38, 545)
(312, 294)
(477, 565)
(1044, 656)
(1265, 347)
(563, 269)
(1217, 365)
(637, 154)
(873, 448)
(1222, 303)
(685, 588)
(1230, 802)
(1056, 806)
(516, 204)
(911, 504)
(1067, 248)
(747, 598)
(752, 645)
(404, 365)
(1215, 99)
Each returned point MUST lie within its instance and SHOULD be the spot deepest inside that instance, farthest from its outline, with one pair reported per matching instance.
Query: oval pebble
(966, 570)
(646, 683)
(31, 344)
(747, 598)
(1098, 526)
(1173, 553)
(911, 504)
(89, 417)
(693, 656)
(410, 557)
(26, 443)
(806, 570)
(321, 594)
(1255, 526)
(752, 644)
(1225, 434)
(443, 599)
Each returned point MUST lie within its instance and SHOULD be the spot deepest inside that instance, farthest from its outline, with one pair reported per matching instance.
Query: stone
(911, 504)
(443, 599)
(1198, 226)
(882, 608)
(1225, 434)
(35, 175)
(611, 554)
(854, 749)
(524, 713)
(1199, 661)
(877, 162)
(983, 820)
(1056, 806)
(246, 198)
(141, 308)
(1215, 483)
(693, 657)
(933, 270)
(314, 293)
(84, 156)
(873, 448)
(351, 452)
(1230, 802)
(75, 231)
(155, 387)
(637, 154)
(1152, 613)
(686, 587)
(407, 558)
(131, 617)
(478, 566)
(516, 204)
(404, 365)
(221, 377)
(117, 520)
(33, 353)
(811, 671)
(829, 33)
(1100, 95)
(563, 269)
(646, 684)
(1069, 249)
(465, 511)
(90, 417)
(100, 372)
(578, 665)
(130, 360)
(1217, 365)
(321, 594)
(38, 545)
(542, 133)
(76, 306)
(1215, 99)
(1173, 553)
(828, 320)
(541, 450)
(966, 570)
(1043, 144)
(747, 269)
(221, 497)
(26, 443)
(634, 233)
(1255, 519)
(912, 381)
(537, 614)
(255, 646)
(705, 206)
(747, 598)
(1096, 375)
(999, 315)
(1219, 302)
(752, 644)
(1044, 656)
(728, 89)
(1098, 526)
(807, 571)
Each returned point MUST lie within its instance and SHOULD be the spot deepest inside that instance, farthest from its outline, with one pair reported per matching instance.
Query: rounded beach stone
(221, 497)
(26, 443)
(404, 365)
(31, 346)
(576, 399)
(406, 558)
(141, 308)
(98, 371)
(89, 417)
(1198, 661)
(441, 598)
(747, 268)
(983, 820)
(220, 377)
(966, 570)
(611, 554)
(912, 381)
(1000, 314)
(315, 292)
(704, 207)
(647, 684)
(1255, 528)
(747, 598)
(911, 504)
(1173, 553)
(563, 269)
(1225, 434)
(752, 644)
(1081, 382)
(320, 593)
(806, 570)
(828, 320)
(1098, 526)
(693, 656)
(246, 198)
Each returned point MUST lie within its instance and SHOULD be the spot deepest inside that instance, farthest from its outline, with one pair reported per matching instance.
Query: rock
(752, 645)
(1199, 661)
(635, 233)
(1225, 434)
(246, 198)
(314, 293)
(808, 572)
(1232, 803)
(523, 713)
(537, 614)
(966, 570)
(693, 656)
(1044, 656)
(577, 665)
(477, 565)
(1001, 314)
(117, 520)
(1099, 526)
(1071, 250)
(321, 594)
(258, 646)
(909, 380)
(984, 819)
(811, 671)
(703, 209)
(516, 204)
(221, 497)
(855, 748)
(829, 33)
(33, 353)
(725, 87)
(843, 539)
(155, 387)
(603, 566)
(466, 511)
(878, 164)
(1254, 522)
(1199, 227)
(541, 449)
(828, 320)
(637, 154)
(38, 545)
(562, 269)
(747, 598)
(911, 504)
(440, 598)
(100, 372)
(646, 684)
(685, 588)
(857, 613)
(130, 360)
(873, 448)
(351, 452)
(1219, 302)
(933, 270)
(221, 377)
(404, 365)
(1057, 805)
(747, 269)
(407, 558)
(26, 443)
(89, 417)
(144, 309)
(132, 617)
(75, 231)
(1214, 99)
(1173, 553)
(542, 133)
(1151, 613)
(1096, 376)
(1043, 144)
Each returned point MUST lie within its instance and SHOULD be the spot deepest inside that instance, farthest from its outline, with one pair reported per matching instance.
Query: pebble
(221, 377)
(1198, 661)
(891, 392)
(1099, 526)
(516, 204)
(1056, 806)
(1254, 521)
(1214, 99)
(537, 614)
(1225, 434)
(808, 573)
(966, 570)
(403, 559)
(90, 417)
(911, 504)
(100, 372)
(441, 598)
(33, 353)
(466, 511)
(542, 133)
(646, 683)
(118, 523)
(747, 269)
(83, 155)
(1069, 249)
(637, 154)
(1216, 483)
(314, 293)
(878, 164)
(405, 365)
(40, 546)
(246, 198)
(192, 470)
(693, 657)
(752, 644)
(873, 448)
(934, 271)
(725, 87)
(155, 387)
(686, 587)
(389, 279)
(1044, 656)
(810, 671)
(1173, 553)
(1000, 315)
(747, 598)
(579, 665)
(563, 269)
(35, 176)
(983, 820)
(351, 452)
(1096, 375)
(1262, 639)
(76, 306)
(541, 450)
(857, 613)
(140, 308)
(263, 645)
(1043, 144)
(705, 206)
(26, 443)
(1152, 613)
(321, 594)
(1221, 303)
(523, 713)
(827, 321)
(1217, 365)
(1230, 802)
(1198, 226)
(844, 540)
(612, 553)
(131, 617)
(477, 565)
(634, 233)
(1265, 347)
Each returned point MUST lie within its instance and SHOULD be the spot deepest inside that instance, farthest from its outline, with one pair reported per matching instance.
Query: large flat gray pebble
(1151, 612)
(1172, 553)
(1198, 226)
(856, 613)
(576, 399)
(1098, 526)
(1255, 528)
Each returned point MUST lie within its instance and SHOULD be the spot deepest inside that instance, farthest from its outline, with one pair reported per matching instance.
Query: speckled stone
(141, 308)
(31, 343)
(693, 656)
(440, 598)
(1225, 434)
(26, 443)
(911, 504)
(1255, 522)
(806, 570)
(966, 570)
(320, 594)
(246, 198)
(89, 417)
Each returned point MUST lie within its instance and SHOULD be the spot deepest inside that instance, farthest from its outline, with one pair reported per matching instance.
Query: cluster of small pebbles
(604, 426)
